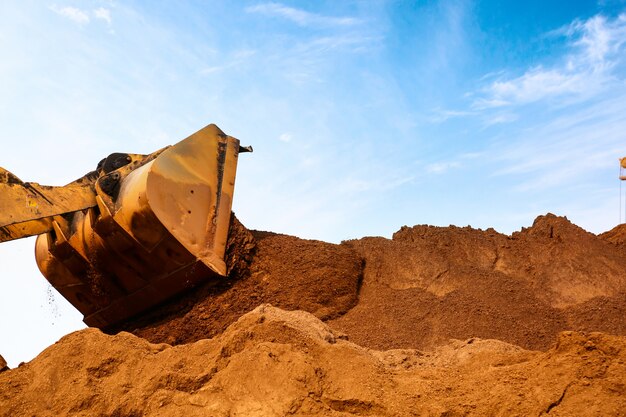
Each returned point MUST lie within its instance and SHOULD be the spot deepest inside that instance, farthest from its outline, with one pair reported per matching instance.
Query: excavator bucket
(135, 232)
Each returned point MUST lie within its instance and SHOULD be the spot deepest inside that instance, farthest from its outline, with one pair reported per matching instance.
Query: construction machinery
(622, 167)
(133, 233)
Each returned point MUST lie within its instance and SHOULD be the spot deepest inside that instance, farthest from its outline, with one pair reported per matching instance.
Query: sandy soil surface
(442, 321)
(429, 284)
(288, 272)
(419, 289)
(274, 362)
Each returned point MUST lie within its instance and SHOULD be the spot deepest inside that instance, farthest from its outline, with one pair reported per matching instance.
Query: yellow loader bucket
(188, 189)
(145, 227)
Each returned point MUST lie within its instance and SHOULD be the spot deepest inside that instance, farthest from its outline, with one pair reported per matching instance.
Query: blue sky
(364, 116)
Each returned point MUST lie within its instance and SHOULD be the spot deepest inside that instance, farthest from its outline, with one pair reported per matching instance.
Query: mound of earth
(288, 272)
(616, 236)
(429, 284)
(3, 364)
(275, 363)
(419, 289)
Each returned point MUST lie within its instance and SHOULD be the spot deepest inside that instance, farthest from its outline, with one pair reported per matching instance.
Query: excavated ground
(419, 289)
(429, 284)
(539, 319)
(288, 272)
(276, 363)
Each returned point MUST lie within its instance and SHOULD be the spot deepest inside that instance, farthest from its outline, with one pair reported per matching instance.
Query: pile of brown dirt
(616, 236)
(276, 363)
(3, 364)
(286, 271)
(429, 284)
(419, 289)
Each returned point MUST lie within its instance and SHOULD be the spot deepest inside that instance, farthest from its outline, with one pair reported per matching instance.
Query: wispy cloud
(303, 56)
(442, 167)
(352, 42)
(597, 46)
(555, 130)
(499, 118)
(299, 16)
(313, 60)
(234, 60)
(355, 186)
(536, 84)
(599, 39)
(72, 13)
(81, 16)
(584, 135)
(441, 115)
(102, 14)
(567, 150)
(285, 137)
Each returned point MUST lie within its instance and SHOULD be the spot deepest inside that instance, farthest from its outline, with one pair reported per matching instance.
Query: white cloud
(285, 137)
(442, 167)
(490, 102)
(236, 59)
(354, 43)
(357, 187)
(499, 118)
(74, 14)
(305, 61)
(309, 57)
(103, 14)
(300, 17)
(599, 38)
(536, 84)
(597, 45)
(471, 155)
(441, 115)
(82, 17)
(567, 150)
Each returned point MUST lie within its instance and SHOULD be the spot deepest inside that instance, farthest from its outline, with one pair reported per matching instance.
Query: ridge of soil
(271, 362)
(429, 284)
(290, 273)
(419, 289)
(442, 321)
(616, 236)
(3, 364)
